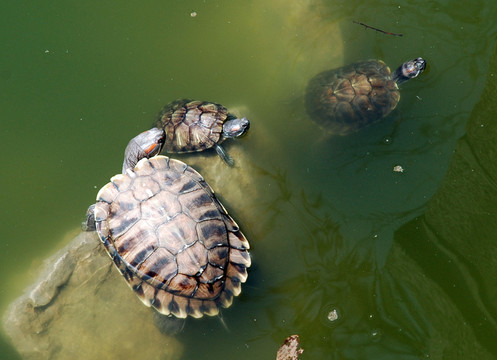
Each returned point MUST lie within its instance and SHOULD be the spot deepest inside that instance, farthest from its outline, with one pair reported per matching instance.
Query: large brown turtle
(171, 238)
(189, 126)
(349, 98)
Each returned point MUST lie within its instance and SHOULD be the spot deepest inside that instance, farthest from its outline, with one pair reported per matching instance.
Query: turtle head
(145, 145)
(235, 127)
(408, 70)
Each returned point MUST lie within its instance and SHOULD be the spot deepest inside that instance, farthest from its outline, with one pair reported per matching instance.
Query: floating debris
(376, 335)
(333, 315)
(398, 168)
(376, 29)
(290, 349)
(193, 14)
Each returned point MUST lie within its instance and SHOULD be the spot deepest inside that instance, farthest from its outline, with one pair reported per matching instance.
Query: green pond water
(324, 216)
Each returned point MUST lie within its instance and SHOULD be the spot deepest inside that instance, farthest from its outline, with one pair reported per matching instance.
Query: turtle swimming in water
(187, 126)
(349, 98)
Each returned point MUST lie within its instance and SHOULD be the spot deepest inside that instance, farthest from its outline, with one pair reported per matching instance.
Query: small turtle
(189, 126)
(346, 99)
(171, 238)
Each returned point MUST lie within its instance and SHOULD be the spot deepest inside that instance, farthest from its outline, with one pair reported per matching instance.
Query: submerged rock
(80, 308)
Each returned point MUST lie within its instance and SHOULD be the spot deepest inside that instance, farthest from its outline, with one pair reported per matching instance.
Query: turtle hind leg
(224, 155)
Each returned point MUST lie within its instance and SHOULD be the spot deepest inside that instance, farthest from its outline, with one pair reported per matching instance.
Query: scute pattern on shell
(191, 125)
(171, 239)
(346, 99)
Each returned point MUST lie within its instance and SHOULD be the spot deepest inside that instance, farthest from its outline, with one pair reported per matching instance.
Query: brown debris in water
(290, 349)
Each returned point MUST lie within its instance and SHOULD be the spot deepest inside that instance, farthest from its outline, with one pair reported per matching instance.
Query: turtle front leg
(89, 223)
(147, 144)
(224, 155)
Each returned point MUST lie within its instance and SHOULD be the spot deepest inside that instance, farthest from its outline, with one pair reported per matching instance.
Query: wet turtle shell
(346, 99)
(192, 125)
(171, 239)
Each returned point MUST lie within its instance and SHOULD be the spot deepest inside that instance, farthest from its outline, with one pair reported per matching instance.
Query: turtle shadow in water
(329, 273)
(326, 271)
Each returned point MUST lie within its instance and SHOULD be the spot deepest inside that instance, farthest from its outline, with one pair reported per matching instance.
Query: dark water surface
(79, 79)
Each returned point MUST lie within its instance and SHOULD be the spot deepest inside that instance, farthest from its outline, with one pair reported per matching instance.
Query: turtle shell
(346, 99)
(171, 239)
(191, 125)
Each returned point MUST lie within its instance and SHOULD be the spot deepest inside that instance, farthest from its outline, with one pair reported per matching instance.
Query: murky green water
(80, 79)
